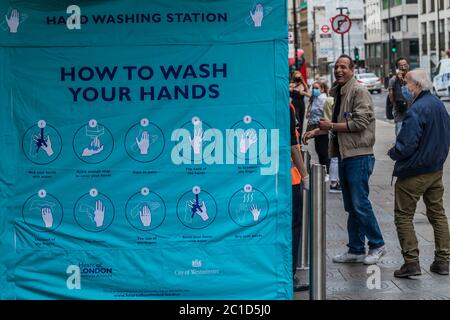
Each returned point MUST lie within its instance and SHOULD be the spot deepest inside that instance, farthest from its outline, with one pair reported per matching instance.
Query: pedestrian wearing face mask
(399, 96)
(298, 90)
(420, 151)
(315, 113)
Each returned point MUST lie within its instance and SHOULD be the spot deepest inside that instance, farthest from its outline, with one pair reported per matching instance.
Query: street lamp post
(389, 36)
(314, 43)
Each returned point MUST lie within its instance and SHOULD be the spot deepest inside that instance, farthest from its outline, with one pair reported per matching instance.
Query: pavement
(350, 281)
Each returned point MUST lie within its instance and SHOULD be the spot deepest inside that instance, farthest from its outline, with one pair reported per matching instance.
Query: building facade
(373, 36)
(434, 30)
(328, 44)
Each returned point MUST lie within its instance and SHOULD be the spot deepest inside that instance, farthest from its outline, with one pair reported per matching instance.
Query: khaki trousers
(407, 193)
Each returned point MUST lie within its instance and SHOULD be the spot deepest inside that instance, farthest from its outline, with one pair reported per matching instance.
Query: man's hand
(309, 135)
(325, 124)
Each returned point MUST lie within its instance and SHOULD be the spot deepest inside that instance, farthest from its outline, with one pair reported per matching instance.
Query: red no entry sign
(325, 28)
(341, 23)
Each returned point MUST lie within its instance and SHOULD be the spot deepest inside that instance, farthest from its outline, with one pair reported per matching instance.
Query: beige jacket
(357, 107)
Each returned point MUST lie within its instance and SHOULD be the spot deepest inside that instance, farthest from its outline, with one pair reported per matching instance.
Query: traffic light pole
(389, 37)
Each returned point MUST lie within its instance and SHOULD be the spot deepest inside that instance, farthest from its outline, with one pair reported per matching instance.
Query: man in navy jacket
(420, 151)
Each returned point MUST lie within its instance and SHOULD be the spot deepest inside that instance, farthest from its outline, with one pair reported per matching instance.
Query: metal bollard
(303, 255)
(317, 270)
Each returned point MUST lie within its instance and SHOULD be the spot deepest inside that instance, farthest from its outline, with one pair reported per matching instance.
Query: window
(432, 35)
(413, 48)
(424, 38)
(448, 28)
(432, 5)
(411, 1)
(378, 50)
(424, 6)
(441, 5)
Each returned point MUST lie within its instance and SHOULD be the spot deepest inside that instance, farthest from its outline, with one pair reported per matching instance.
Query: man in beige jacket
(352, 139)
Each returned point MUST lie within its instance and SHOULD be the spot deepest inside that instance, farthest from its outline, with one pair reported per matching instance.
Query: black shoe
(335, 187)
(440, 267)
(409, 269)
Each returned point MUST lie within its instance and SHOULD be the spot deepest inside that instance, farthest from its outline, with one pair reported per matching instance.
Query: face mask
(316, 92)
(407, 94)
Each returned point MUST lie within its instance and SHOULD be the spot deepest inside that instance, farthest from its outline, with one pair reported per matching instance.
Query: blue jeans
(354, 176)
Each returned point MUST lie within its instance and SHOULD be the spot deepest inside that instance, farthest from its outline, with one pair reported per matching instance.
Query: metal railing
(312, 249)
(303, 255)
(317, 233)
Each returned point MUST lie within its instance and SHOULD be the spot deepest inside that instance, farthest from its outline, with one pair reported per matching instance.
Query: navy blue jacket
(424, 140)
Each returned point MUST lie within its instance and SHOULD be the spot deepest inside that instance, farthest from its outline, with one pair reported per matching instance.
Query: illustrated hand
(94, 148)
(99, 214)
(258, 16)
(47, 216)
(255, 212)
(146, 216)
(144, 143)
(196, 143)
(202, 212)
(248, 139)
(13, 21)
(47, 147)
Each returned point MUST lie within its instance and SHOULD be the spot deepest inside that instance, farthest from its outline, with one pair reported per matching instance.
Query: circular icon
(144, 142)
(145, 212)
(145, 191)
(94, 215)
(92, 123)
(196, 190)
(196, 121)
(144, 122)
(196, 211)
(42, 212)
(42, 124)
(248, 208)
(248, 188)
(93, 143)
(191, 137)
(325, 28)
(243, 139)
(341, 24)
(41, 143)
(93, 193)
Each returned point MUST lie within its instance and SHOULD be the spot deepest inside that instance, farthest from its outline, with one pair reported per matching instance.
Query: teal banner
(145, 150)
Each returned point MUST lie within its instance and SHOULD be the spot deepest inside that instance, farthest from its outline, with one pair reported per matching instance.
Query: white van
(441, 79)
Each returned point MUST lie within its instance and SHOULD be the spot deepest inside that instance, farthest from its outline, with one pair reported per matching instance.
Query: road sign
(341, 23)
(325, 28)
